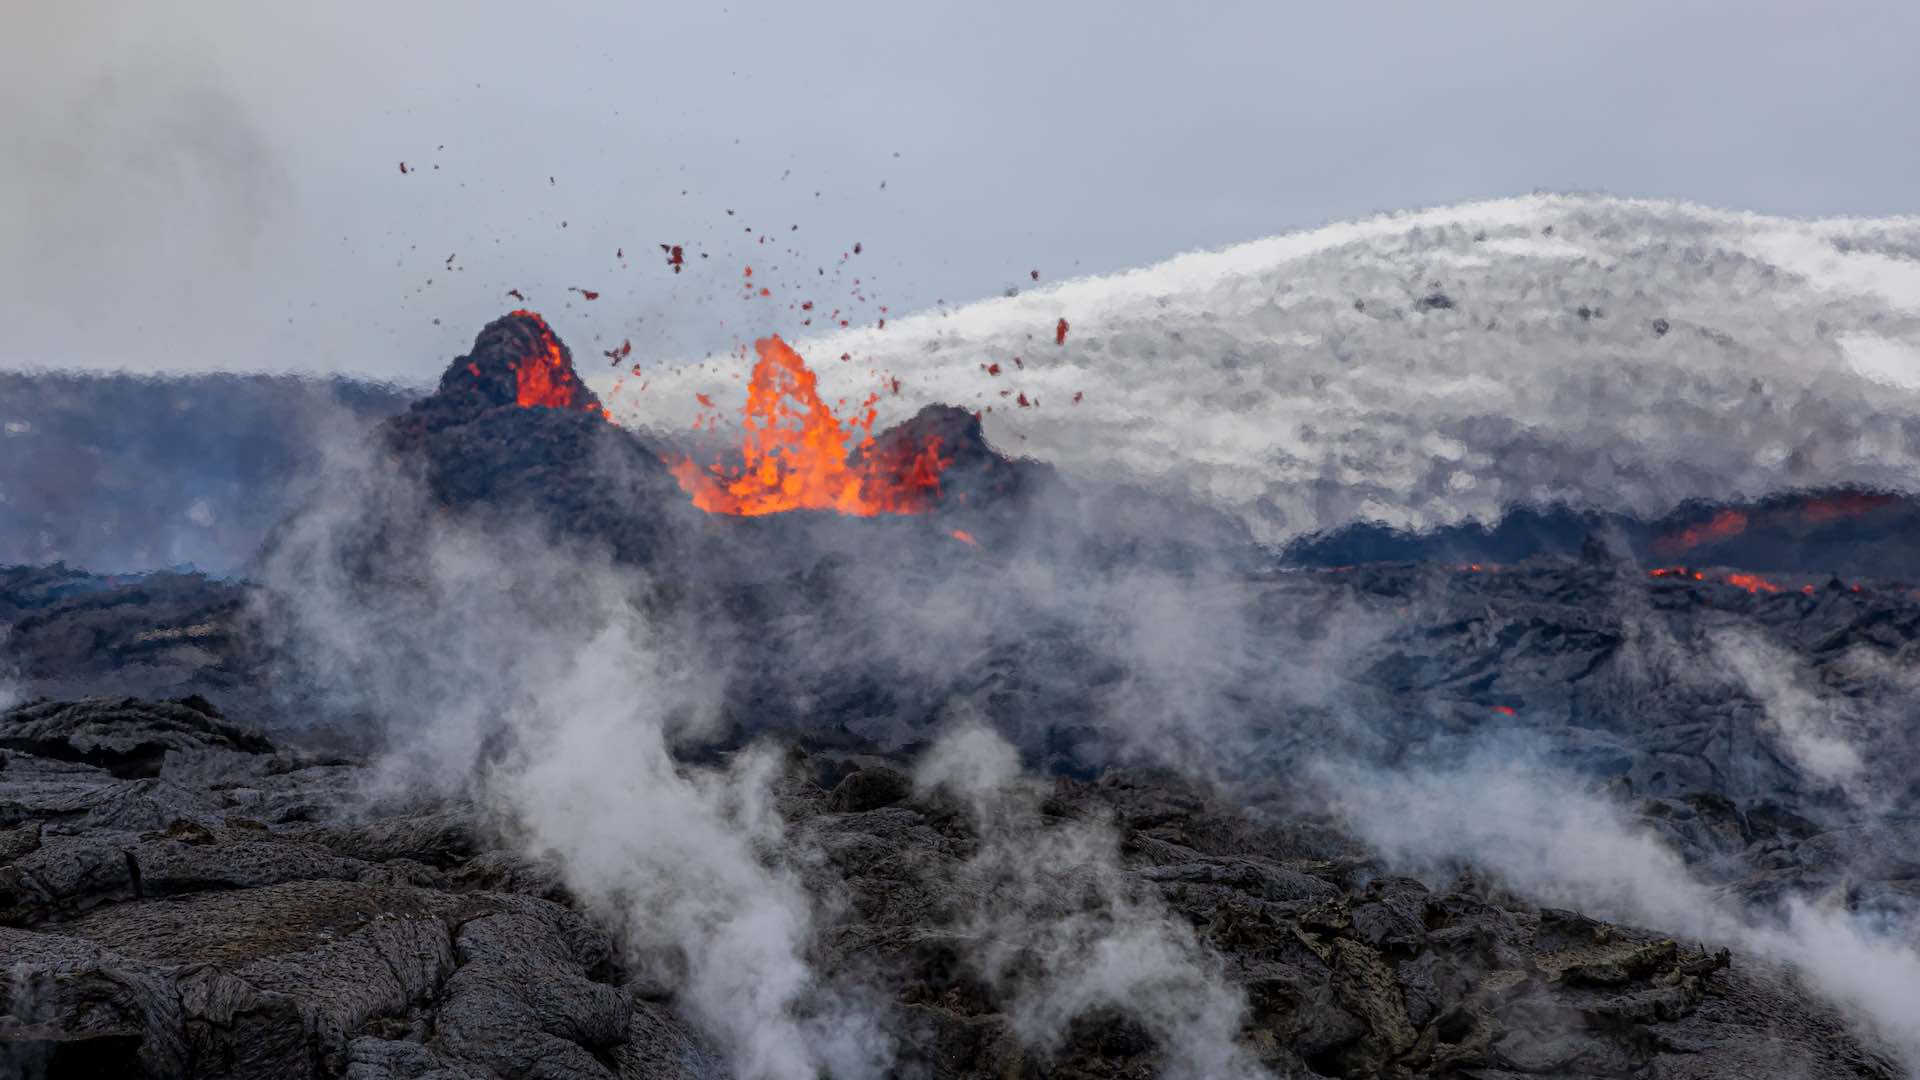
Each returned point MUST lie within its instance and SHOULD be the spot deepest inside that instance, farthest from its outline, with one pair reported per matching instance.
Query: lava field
(531, 745)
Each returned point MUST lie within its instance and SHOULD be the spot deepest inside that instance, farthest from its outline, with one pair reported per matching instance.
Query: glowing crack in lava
(795, 454)
(546, 380)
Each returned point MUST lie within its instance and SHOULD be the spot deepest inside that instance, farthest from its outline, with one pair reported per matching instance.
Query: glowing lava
(1802, 514)
(796, 455)
(545, 379)
(1724, 524)
(1753, 583)
(1844, 505)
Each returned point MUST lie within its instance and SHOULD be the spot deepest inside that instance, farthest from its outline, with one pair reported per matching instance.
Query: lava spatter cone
(513, 431)
(517, 361)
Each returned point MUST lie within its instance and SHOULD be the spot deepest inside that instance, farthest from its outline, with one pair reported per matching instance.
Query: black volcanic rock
(201, 923)
(517, 360)
(128, 738)
(575, 472)
(154, 635)
(977, 476)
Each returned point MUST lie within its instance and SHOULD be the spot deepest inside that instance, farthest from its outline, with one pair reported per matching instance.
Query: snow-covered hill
(1427, 367)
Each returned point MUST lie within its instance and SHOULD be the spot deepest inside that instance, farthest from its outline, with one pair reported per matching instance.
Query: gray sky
(204, 184)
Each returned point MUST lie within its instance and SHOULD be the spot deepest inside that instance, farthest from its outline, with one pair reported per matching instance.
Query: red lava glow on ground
(1722, 525)
(1834, 507)
(796, 454)
(1729, 523)
(1752, 583)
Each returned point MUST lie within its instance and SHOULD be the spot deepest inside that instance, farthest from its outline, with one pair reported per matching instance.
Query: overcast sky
(199, 184)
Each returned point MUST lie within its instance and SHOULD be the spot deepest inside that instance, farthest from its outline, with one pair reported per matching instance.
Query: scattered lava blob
(796, 455)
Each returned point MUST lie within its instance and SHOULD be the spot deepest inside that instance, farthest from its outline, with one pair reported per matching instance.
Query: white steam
(523, 673)
(1059, 928)
(1545, 836)
(10, 692)
(1810, 727)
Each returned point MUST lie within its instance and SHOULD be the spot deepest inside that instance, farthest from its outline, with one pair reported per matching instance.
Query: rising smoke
(1544, 835)
(1809, 727)
(1058, 928)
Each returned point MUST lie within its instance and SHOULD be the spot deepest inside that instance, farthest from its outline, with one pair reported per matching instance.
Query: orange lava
(964, 537)
(796, 454)
(545, 379)
(1753, 583)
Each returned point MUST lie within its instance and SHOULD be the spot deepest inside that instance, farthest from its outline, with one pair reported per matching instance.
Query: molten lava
(795, 455)
(1753, 583)
(545, 379)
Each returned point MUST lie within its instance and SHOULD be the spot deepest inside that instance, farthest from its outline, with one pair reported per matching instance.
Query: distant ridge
(121, 472)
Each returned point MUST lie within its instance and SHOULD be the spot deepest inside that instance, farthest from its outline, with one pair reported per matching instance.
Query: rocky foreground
(182, 897)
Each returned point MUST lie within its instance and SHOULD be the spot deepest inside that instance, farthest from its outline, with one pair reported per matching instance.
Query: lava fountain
(796, 455)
